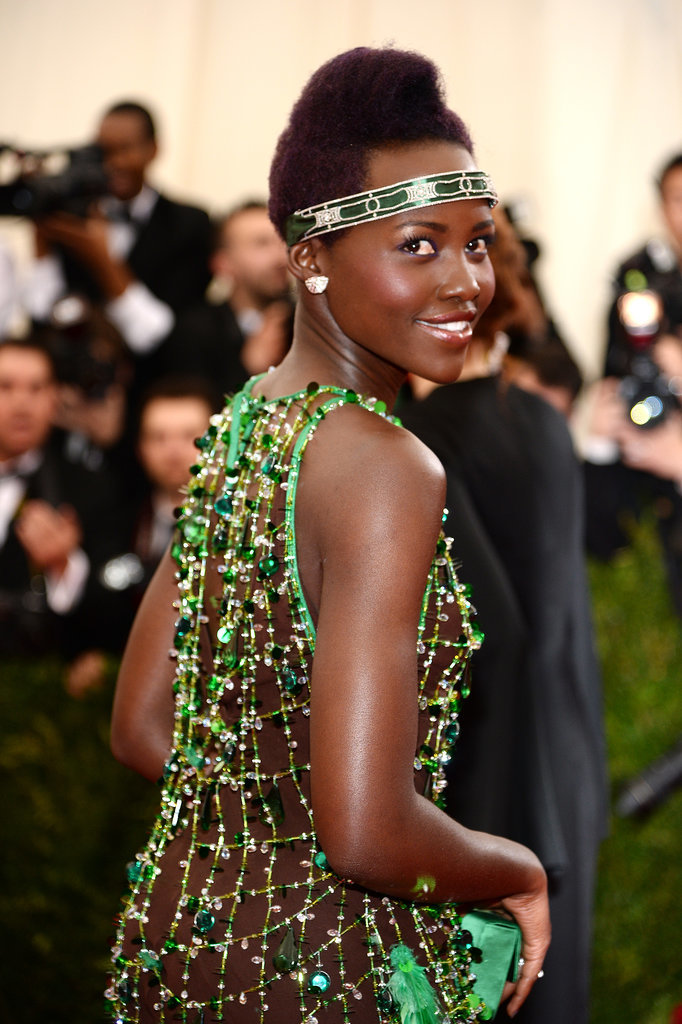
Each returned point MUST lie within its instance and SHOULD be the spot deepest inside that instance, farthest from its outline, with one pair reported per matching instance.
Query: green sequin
(223, 505)
(194, 757)
(183, 626)
(384, 1000)
(204, 921)
(194, 528)
(319, 982)
(321, 861)
(134, 871)
(150, 960)
(451, 732)
(291, 682)
(268, 566)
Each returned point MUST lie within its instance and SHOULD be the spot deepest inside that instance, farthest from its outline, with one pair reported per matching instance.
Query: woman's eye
(419, 247)
(479, 246)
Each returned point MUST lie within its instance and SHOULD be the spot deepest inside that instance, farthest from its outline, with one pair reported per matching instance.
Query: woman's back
(245, 893)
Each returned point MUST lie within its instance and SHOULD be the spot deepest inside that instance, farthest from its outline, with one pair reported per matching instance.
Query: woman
(300, 868)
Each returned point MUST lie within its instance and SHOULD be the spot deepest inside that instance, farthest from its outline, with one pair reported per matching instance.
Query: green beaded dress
(233, 913)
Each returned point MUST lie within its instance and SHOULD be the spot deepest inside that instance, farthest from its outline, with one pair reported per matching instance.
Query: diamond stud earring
(316, 285)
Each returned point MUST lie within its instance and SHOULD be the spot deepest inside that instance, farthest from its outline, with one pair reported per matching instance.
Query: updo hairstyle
(357, 102)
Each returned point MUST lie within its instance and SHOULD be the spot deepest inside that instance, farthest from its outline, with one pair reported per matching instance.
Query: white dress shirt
(63, 591)
(142, 319)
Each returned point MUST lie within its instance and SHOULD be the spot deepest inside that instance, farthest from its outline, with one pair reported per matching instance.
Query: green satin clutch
(498, 940)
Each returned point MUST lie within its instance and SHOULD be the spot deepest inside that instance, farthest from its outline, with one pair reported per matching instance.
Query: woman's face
(409, 288)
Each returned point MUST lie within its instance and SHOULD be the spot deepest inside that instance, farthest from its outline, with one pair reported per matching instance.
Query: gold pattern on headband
(385, 202)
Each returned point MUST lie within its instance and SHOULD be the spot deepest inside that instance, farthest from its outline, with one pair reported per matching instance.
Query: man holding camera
(634, 451)
(141, 255)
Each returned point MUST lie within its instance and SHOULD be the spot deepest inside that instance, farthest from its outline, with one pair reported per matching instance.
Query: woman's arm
(373, 509)
(142, 719)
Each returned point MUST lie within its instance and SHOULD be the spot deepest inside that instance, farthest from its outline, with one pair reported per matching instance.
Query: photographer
(633, 455)
(142, 255)
(659, 264)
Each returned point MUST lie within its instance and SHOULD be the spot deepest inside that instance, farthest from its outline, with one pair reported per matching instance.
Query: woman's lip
(455, 329)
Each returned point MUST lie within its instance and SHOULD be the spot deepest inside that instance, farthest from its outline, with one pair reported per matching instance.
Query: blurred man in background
(57, 518)
(141, 255)
(227, 342)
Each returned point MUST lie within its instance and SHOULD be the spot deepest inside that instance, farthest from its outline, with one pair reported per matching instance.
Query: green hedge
(70, 819)
(637, 962)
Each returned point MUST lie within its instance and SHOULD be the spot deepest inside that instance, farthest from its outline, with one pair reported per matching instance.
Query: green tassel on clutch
(411, 990)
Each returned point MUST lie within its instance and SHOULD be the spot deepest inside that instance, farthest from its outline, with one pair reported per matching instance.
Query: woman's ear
(305, 259)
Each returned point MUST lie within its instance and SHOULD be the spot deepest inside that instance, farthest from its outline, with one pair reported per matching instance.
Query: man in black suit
(57, 520)
(227, 342)
(143, 256)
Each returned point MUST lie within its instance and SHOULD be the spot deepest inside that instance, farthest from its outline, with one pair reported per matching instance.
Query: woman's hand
(531, 912)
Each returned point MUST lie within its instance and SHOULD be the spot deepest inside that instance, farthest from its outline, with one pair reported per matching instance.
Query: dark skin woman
(403, 295)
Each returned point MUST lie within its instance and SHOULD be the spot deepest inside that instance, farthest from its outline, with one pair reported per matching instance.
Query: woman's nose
(460, 281)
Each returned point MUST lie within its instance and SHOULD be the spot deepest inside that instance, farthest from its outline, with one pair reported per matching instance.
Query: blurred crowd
(138, 315)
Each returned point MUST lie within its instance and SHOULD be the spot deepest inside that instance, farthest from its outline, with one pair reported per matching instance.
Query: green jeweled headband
(385, 202)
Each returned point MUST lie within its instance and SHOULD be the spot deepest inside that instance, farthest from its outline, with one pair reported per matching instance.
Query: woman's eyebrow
(429, 225)
(433, 225)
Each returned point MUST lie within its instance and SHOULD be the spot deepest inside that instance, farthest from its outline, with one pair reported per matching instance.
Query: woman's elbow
(356, 849)
(123, 745)
(134, 750)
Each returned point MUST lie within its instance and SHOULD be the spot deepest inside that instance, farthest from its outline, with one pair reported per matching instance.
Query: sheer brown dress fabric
(233, 912)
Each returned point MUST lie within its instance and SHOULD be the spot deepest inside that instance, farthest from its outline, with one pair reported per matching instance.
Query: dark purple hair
(354, 104)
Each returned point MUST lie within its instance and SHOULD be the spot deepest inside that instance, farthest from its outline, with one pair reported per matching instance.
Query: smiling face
(408, 289)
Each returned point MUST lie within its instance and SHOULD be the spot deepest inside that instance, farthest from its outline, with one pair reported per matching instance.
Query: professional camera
(646, 390)
(50, 181)
(87, 350)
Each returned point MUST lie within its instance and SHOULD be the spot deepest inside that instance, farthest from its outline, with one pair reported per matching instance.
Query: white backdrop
(573, 104)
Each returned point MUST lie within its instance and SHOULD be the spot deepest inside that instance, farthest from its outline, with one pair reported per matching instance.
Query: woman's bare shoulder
(365, 475)
(361, 449)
